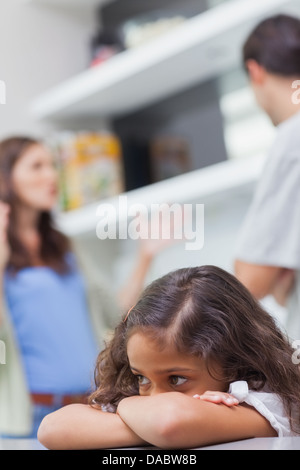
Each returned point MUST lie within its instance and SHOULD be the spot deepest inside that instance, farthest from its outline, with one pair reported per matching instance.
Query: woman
(268, 253)
(55, 308)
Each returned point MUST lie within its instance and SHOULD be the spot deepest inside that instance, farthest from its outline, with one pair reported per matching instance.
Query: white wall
(39, 47)
(224, 215)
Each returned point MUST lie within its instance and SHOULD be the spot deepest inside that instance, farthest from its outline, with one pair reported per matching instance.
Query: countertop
(268, 443)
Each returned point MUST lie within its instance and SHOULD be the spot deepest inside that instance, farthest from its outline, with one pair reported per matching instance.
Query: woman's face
(34, 179)
(165, 370)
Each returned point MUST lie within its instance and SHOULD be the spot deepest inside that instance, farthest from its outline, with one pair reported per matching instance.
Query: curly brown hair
(207, 313)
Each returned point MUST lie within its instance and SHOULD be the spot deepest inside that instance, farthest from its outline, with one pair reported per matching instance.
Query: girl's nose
(156, 389)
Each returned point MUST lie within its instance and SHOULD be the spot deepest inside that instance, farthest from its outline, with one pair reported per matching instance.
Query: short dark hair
(275, 44)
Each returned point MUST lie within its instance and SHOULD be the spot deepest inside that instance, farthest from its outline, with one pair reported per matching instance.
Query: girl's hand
(218, 397)
(4, 246)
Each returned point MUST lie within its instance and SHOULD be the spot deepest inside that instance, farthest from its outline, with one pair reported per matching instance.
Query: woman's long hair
(207, 313)
(54, 245)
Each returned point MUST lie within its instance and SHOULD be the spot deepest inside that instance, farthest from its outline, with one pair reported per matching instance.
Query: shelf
(200, 185)
(69, 3)
(199, 49)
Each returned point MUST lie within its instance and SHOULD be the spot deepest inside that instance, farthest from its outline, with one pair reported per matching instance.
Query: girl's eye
(37, 166)
(177, 380)
(142, 380)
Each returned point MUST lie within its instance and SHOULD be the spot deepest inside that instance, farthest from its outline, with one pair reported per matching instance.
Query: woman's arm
(149, 248)
(130, 292)
(175, 420)
(76, 427)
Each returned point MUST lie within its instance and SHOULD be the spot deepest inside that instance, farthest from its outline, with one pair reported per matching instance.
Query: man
(268, 252)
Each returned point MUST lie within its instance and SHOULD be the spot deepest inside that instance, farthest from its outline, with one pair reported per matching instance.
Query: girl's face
(165, 370)
(34, 179)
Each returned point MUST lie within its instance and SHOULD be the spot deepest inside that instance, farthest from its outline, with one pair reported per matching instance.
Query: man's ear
(257, 73)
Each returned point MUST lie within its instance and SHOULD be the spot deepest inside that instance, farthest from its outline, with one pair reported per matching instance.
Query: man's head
(271, 57)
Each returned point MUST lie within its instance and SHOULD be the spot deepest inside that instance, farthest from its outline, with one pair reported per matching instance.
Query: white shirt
(271, 232)
(269, 405)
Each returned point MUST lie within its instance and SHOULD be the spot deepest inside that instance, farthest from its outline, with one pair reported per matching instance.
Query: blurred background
(144, 98)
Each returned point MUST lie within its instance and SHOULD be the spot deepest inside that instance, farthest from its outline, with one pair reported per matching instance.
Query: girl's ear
(257, 72)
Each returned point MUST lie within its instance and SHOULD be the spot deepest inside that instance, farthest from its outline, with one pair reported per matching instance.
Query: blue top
(50, 317)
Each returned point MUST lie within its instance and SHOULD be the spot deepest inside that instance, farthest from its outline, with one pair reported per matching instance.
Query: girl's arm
(76, 427)
(174, 420)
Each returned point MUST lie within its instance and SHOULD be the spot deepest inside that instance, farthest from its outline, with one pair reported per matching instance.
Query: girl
(55, 307)
(193, 331)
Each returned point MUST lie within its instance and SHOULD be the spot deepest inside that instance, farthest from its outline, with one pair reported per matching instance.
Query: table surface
(268, 443)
